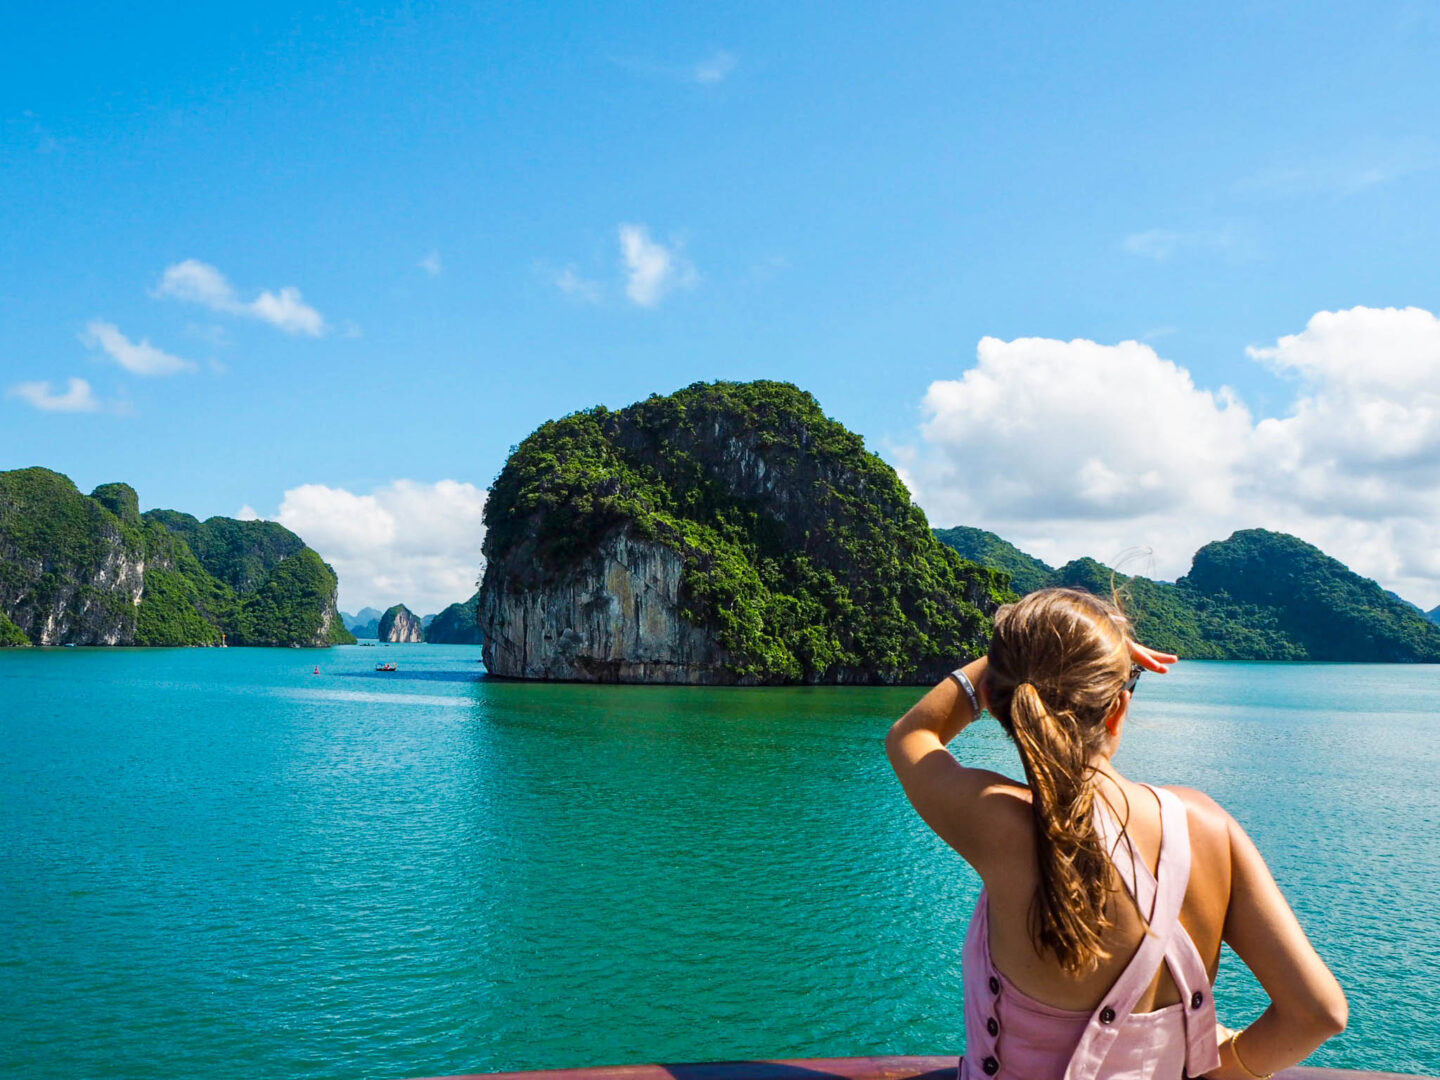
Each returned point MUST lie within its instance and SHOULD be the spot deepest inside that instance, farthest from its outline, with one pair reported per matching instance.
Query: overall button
(1107, 1015)
(992, 1026)
(1197, 999)
(994, 985)
(991, 1066)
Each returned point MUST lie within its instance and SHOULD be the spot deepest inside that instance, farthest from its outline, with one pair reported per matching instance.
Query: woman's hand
(1151, 659)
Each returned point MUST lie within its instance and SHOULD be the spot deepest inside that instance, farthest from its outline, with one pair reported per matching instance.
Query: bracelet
(965, 684)
(1235, 1049)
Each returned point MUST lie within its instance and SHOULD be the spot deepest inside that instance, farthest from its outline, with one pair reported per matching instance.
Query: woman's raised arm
(950, 797)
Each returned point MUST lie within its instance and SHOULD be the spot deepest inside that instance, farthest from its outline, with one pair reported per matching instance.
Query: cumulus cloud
(1072, 448)
(1363, 436)
(77, 398)
(138, 358)
(714, 70)
(407, 542)
(200, 283)
(652, 270)
(1073, 444)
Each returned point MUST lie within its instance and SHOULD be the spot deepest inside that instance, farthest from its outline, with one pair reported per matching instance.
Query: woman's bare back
(1203, 915)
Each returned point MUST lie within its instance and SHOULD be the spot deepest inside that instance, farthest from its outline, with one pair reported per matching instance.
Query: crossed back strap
(1159, 897)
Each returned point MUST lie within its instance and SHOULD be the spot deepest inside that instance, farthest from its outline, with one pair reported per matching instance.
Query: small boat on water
(387, 666)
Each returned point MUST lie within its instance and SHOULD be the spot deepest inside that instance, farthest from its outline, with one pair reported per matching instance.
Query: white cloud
(1363, 437)
(138, 358)
(1074, 448)
(407, 542)
(211, 334)
(432, 265)
(77, 398)
(767, 269)
(709, 71)
(1349, 172)
(247, 513)
(200, 283)
(651, 269)
(1161, 244)
(571, 282)
(714, 70)
(1075, 439)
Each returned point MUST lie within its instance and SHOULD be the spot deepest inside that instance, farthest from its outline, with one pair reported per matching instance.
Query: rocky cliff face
(615, 617)
(70, 572)
(83, 605)
(399, 624)
(729, 533)
(331, 629)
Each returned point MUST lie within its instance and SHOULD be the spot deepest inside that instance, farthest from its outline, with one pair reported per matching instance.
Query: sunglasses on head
(1135, 672)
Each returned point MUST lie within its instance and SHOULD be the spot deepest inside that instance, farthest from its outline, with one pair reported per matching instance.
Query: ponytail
(1067, 915)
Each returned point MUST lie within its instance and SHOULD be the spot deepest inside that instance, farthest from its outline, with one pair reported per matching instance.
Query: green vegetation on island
(804, 558)
(1258, 595)
(240, 553)
(10, 634)
(1026, 572)
(455, 625)
(78, 569)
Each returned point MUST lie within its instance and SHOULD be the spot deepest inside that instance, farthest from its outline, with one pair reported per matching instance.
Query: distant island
(94, 570)
(365, 623)
(1258, 595)
(730, 533)
(453, 626)
(399, 624)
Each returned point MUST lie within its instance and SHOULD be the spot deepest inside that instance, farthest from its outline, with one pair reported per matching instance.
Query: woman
(1093, 949)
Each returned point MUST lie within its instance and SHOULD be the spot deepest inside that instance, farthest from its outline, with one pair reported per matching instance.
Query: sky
(1107, 279)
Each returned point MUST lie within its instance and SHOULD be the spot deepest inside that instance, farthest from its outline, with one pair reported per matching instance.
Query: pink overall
(1011, 1036)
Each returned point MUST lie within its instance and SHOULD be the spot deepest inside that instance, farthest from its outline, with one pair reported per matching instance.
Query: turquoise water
(217, 863)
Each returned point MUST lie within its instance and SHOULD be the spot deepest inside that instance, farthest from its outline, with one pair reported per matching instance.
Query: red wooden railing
(858, 1068)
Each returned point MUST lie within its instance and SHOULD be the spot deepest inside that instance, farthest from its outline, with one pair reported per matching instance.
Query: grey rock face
(329, 617)
(399, 624)
(83, 603)
(613, 617)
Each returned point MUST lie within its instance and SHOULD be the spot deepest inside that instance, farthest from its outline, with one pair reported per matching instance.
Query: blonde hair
(1057, 663)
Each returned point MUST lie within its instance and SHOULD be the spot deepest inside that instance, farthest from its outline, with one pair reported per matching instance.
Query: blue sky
(849, 197)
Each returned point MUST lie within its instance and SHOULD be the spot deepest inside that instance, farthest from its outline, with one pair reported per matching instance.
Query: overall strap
(1166, 890)
(1187, 968)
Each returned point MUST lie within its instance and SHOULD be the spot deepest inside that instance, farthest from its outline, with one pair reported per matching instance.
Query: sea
(232, 863)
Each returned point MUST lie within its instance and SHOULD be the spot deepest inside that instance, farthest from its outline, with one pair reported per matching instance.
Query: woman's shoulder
(1209, 825)
(1201, 809)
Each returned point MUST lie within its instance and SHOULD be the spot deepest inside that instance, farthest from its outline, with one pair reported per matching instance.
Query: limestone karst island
(728, 533)
(733, 533)
(93, 570)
